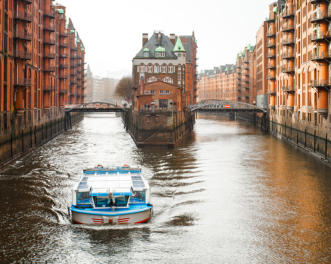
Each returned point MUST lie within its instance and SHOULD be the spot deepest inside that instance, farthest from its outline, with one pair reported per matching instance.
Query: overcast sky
(111, 30)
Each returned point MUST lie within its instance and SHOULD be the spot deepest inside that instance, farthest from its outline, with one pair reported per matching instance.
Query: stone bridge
(225, 106)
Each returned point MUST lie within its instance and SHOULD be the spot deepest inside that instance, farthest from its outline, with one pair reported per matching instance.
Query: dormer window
(160, 52)
(146, 52)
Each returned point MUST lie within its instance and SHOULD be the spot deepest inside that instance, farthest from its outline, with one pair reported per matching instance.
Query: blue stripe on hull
(113, 213)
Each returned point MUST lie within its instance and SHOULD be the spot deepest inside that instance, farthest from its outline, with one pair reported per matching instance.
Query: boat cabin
(103, 188)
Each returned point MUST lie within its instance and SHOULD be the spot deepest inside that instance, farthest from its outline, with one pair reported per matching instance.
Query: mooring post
(326, 146)
(314, 147)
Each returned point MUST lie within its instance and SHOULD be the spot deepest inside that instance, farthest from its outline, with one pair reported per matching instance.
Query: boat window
(83, 198)
(121, 201)
(101, 201)
(138, 197)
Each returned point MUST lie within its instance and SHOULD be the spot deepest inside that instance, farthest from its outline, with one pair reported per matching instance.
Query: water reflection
(230, 194)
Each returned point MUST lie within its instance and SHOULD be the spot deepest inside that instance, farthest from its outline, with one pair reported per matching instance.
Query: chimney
(145, 38)
(172, 38)
(159, 36)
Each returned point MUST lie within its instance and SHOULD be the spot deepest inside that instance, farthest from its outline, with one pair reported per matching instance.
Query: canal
(230, 194)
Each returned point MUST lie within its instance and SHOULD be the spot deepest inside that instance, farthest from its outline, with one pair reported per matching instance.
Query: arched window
(164, 68)
(156, 68)
(150, 68)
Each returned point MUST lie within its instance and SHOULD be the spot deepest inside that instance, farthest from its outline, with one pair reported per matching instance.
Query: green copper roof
(178, 46)
(160, 49)
(146, 50)
(60, 11)
(72, 31)
(275, 9)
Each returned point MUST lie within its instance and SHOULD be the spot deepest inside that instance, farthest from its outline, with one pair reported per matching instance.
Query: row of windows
(161, 92)
(165, 79)
(157, 69)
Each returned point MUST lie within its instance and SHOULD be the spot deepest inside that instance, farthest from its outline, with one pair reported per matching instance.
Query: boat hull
(113, 218)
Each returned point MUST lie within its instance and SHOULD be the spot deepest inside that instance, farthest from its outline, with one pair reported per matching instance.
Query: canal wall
(158, 128)
(311, 138)
(24, 131)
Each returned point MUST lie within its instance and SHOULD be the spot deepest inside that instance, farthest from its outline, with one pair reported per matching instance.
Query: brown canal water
(231, 194)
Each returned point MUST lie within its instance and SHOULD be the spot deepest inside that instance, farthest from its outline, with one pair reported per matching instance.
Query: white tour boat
(111, 196)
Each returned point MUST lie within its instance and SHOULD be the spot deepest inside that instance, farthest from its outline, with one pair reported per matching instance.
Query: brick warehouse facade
(237, 83)
(299, 70)
(219, 83)
(41, 68)
(289, 72)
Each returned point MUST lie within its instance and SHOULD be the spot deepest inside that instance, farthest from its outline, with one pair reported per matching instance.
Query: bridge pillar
(67, 121)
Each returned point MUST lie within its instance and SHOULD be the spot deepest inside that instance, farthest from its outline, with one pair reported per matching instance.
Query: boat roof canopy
(117, 184)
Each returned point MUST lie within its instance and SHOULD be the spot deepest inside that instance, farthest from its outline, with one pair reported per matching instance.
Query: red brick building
(246, 78)
(261, 66)
(219, 83)
(236, 83)
(164, 73)
(38, 71)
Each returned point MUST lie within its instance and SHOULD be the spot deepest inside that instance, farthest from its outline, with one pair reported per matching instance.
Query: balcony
(63, 66)
(318, 17)
(321, 57)
(270, 19)
(50, 14)
(64, 45)
(270, 77)
(62, 91)
(27, 1)
(64, 56)
(288, 42)
(48, 89)
(289, 70)
(288, 88)
(49, 69)
(63, 76)
(64, 35)
(271, 66)
(271, 33)
(49, 56)
(321, 84)
(287, 28)
(288, 56)
(288, 13)
(23, 16)
(22, 82)
(271, 44)
(74, 48)
(271, 55)
(23, 55)
(50, 28)
(49, 41)
(320, 36)
(23, 35)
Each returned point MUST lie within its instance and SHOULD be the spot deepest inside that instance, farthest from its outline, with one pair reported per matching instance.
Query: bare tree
(124, 88)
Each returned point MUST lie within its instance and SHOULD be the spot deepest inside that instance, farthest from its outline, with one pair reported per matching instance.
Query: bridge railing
(223, 105)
